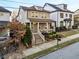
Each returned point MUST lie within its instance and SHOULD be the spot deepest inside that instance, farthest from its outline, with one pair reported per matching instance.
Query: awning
(68, 19)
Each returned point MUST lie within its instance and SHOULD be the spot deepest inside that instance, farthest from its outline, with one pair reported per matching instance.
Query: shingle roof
(58, 9)
(2, 9)
(33, 8)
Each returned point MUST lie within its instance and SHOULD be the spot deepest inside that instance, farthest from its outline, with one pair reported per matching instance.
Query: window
(32, 16)
(65, 6)
(70, 15)
(61, 15)
(36, 16)
(32, 12)
(42, 16)
(61, 23)
(45, 17)
(66, 15)
(1, 14)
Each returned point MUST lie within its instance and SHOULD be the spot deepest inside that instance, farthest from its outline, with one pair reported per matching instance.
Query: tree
(27, 39)
(17, 30)
(16, 25)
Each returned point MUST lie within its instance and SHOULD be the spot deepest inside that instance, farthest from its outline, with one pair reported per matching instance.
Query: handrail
(33, 39)
(41, 36)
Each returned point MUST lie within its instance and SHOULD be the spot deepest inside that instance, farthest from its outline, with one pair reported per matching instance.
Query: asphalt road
(70, 52)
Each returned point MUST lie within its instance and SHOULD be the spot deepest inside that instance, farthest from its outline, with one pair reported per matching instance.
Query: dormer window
(65, 6)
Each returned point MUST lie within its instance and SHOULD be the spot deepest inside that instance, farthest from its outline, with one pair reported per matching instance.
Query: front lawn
(69, 33)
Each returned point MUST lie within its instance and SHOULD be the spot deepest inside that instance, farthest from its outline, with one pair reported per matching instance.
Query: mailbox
(59, 39)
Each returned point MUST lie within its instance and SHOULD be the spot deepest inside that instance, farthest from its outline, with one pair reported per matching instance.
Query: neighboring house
(38, 19)
(4, 18)
(60, 14)
(14, 14)
(76, 17)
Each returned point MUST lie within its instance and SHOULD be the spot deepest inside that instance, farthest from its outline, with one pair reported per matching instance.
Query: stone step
(38, 39)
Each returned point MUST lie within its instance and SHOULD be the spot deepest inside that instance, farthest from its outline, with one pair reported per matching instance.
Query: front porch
(41, 26)
(37, 28)
(67, 23)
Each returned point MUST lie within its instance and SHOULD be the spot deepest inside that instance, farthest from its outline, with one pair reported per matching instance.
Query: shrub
(74, 27)
(58, 29)
(27, 37)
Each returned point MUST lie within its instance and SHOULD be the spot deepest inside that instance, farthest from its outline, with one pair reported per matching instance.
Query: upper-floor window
(70, 15)
(1, 14)
(32, 16)
(65, 6)
(45, 17)
(66, 15)
(36, 16)
(42, 16)
(61, 15)
(32, 12)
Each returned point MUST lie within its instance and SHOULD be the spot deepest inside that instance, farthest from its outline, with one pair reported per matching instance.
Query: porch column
(38, 26)
(30, 25)
(47, 26)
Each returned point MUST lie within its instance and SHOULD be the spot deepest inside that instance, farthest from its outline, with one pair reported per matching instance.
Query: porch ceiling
(41, 20)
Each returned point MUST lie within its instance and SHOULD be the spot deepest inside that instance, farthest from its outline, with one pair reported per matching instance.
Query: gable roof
(77, 10)
(2, 9)
(54, 6)
(35, 8)
(57, 8)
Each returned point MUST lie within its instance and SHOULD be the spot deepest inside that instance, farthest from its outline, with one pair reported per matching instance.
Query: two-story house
(76, 17)
(60, 14)
(37, 18)
(4, 19)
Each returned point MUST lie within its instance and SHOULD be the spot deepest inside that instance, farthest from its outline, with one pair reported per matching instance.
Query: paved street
(70, 52)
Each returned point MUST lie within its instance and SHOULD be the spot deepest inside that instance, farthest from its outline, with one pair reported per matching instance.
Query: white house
(4, 19)
(76, 18)
(60, 14)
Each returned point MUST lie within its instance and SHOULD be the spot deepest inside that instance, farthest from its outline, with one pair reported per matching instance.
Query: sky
(72, 4)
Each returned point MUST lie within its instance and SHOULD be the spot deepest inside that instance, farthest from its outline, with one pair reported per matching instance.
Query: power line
(15, 2)
(11, 7)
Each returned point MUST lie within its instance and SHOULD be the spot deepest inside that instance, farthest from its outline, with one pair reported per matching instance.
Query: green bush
(27, 37)
(51, 33)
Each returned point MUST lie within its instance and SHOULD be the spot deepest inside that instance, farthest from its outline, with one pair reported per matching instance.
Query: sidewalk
(44, 46)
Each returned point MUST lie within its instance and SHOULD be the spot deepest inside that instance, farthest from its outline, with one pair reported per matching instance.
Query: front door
(34, 27)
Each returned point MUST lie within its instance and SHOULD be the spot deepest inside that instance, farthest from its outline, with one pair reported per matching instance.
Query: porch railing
(33, 39)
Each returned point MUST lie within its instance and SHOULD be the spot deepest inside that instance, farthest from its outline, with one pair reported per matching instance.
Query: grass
(52, 49)
(69, 33)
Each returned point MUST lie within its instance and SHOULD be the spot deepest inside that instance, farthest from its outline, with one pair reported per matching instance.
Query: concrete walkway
(44, 46)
